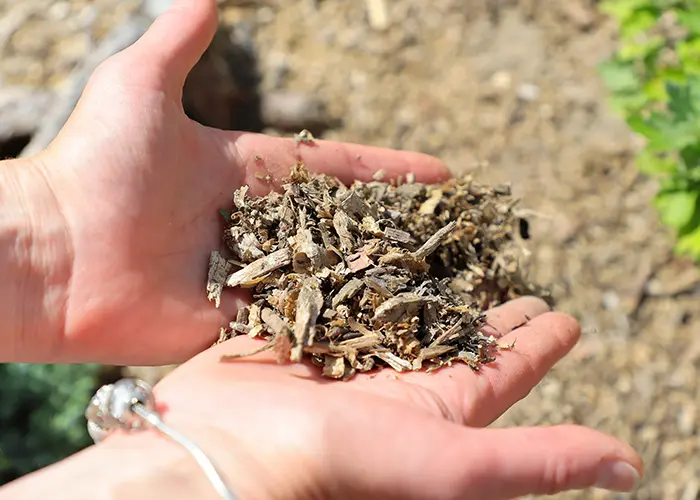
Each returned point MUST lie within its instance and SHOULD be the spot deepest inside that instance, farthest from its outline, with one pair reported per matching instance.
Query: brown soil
(509, 89)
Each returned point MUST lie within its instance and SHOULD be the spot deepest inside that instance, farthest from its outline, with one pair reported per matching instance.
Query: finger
(537, 347)
(476, 399)
(513, 314)
(445, 461)
(268, 160)
(167, 52)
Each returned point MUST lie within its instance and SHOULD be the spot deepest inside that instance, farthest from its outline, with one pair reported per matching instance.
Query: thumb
(173, 44)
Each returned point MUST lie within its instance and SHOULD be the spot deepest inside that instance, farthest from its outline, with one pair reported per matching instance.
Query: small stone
(528, 92)
(502, 80)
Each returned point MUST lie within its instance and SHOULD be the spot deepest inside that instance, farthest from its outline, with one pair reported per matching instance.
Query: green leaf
(665, 133)
(638, 22)
(690, 19)
(655, 90)
(619, 77)
(654, 81)
(689, 244)
(225, 214)
(641, 126)
(681, 103)
(655, 165)
(676, 208)
(622, 10)
(689, 55)
(646, 51)
(690, 157)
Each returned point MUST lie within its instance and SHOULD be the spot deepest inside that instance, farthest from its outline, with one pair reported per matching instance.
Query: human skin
(280, 431)
(104, 243)
(127, 199)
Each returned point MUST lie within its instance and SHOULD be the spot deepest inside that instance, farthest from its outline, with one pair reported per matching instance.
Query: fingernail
(617, 476)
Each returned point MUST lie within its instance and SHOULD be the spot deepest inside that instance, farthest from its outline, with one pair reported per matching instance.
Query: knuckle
(556, 476)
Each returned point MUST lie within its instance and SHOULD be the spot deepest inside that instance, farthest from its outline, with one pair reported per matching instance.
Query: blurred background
(589, 109)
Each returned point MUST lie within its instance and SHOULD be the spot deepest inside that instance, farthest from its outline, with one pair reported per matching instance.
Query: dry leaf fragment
(428, 207)
(239, 197)
(244, 244)
(359, 261)
(354, 206)
(378, 286)
(239, 328)
(454, 329)
(308, 254)
(261, 267)
(333, 367)
(371, 226)
(303, 137)
(343, 226)
(256, 331)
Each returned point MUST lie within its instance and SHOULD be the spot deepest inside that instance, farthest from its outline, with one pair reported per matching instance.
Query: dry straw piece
(377, 274)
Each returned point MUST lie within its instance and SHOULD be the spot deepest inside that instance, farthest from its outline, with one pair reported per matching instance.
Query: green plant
(42, 414)
(654, 79)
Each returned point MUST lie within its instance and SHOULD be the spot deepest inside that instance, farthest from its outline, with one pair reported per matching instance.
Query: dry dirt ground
(509, 89)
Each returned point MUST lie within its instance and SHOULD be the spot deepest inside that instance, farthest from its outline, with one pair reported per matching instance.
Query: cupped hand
(281, 431)
(139, 185)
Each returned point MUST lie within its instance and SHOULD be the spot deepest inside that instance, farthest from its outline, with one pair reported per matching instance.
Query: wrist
(143, 465)
(35, 261)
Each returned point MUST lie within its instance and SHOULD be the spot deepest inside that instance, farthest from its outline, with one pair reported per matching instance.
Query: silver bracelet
(129, 404)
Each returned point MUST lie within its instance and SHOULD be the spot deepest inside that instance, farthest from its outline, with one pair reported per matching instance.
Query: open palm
(283, 432)
(140, 185)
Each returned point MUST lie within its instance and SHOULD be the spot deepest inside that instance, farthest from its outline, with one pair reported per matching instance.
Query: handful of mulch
(375, 274)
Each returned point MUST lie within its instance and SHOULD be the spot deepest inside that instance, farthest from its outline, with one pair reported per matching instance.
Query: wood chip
(392, 310)
(219, 269)
(261, 267)
(275, 322)
(308, 308)
(435, 241)
(394, 361)
(348, 291)
(398, 235)
(335, 277)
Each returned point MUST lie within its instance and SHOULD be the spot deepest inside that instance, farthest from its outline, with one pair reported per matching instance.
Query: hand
(388, 435)
(280, 431)
(139, 186)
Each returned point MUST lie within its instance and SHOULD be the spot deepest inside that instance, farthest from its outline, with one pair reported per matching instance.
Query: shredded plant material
(376, 274)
